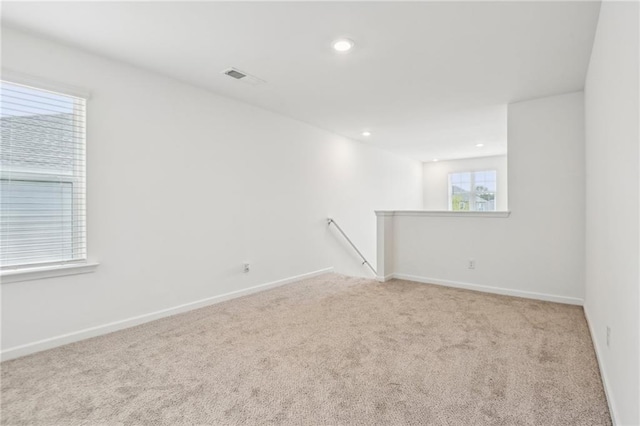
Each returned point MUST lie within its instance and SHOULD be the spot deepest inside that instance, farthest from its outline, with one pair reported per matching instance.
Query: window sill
(29, 274)
(442, 213)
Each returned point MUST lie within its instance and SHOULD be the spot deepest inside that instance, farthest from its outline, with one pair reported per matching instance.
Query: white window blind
(42, 177)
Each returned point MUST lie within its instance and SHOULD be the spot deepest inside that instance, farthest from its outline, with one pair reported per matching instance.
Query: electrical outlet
(245, 267)
(608, 336)
(471, 264)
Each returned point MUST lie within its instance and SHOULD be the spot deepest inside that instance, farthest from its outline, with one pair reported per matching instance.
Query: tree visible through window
(472, 191)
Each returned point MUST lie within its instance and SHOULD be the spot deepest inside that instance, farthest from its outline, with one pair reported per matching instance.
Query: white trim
(493, 290)
(385, 213)
(386, 278)
(607, 390)
(12, 76)
(442, 213)
(52, 342)
(49, 271)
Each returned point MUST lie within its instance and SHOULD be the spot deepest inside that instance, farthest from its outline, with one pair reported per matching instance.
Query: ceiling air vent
(242, 76)
(235, 74)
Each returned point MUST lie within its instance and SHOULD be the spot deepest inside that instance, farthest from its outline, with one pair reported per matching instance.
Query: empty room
(320, 213)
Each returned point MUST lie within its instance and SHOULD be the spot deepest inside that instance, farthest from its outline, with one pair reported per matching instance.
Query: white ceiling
(430, 80)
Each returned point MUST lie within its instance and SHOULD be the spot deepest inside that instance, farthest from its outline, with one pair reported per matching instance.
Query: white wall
(435, 176)
(184, 185)
(539, 248)
(612, 239)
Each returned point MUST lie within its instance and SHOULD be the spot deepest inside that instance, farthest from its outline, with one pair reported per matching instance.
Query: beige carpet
(332, 350)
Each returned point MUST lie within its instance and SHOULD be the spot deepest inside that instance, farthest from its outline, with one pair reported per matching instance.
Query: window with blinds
(42, 177)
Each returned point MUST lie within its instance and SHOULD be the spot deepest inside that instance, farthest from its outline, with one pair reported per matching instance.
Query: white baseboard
(489, 289)
(386, 278)
(603, 374)
(86, 333)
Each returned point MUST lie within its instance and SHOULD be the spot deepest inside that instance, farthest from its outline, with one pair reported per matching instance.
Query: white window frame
(472, 201)
(80, 265)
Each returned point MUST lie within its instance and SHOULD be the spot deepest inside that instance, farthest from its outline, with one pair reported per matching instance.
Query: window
(472, 191)
(42, 177)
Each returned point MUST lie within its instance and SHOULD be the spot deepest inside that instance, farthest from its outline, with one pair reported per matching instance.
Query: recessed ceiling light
(342, 45)
(366, 133)
(479, 145)
(435, 160)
